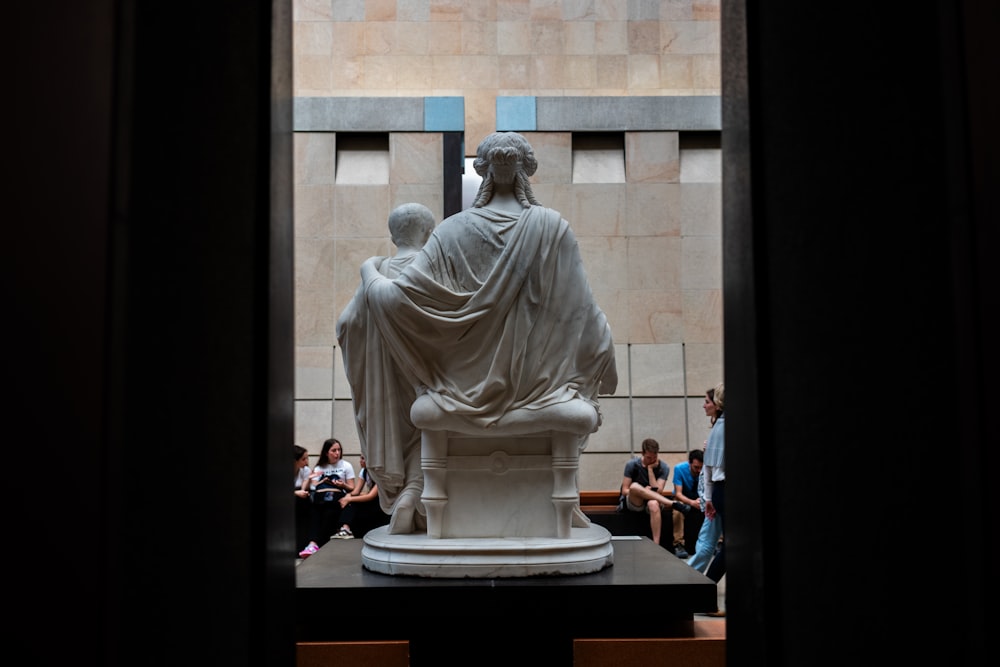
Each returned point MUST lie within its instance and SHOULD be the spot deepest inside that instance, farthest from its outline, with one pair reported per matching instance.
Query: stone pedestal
(500, 501)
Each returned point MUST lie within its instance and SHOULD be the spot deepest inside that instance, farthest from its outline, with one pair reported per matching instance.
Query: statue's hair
(505, 148)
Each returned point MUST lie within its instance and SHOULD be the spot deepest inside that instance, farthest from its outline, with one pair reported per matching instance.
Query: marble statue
(490, 329)
(382, 392)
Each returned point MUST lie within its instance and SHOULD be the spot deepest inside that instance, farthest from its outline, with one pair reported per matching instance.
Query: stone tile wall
(651, 244)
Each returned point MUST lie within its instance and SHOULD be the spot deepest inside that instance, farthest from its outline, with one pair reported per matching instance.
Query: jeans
(708, 539)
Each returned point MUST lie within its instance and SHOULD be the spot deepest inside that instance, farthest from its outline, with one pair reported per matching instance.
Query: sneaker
(680, 551)
(681, 507)
(343, 534)
(308, 551)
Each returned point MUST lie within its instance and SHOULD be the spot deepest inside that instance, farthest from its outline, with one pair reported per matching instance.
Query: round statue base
(586, 550)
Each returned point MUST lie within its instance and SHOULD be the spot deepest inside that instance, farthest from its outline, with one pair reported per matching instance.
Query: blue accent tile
(516, 114)
(444, 114)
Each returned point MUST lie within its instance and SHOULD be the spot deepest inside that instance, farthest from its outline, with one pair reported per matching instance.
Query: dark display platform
(648, 592)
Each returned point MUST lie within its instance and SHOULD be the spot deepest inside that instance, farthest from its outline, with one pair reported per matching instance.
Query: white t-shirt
(301, 475)
(342, 470)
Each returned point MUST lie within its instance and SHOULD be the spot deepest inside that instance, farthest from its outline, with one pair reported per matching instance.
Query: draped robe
(494, 314)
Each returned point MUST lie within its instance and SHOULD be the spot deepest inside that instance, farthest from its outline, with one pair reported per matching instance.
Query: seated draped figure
(491, 323)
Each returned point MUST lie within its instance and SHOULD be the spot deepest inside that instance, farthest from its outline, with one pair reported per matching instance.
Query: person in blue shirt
(687, 523)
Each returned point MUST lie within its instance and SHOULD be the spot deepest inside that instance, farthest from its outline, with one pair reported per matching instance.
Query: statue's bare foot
(407, 515)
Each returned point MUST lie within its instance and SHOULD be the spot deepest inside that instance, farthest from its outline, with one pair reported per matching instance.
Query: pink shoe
(308, 551)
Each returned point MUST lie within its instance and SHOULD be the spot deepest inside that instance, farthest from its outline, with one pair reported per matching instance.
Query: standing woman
(711, 529)
(715, 480)
(330, 480)
(302, 508)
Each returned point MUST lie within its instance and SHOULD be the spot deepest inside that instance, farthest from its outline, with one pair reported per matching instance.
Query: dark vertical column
(855, 279)
(454, 161)
(200, 411)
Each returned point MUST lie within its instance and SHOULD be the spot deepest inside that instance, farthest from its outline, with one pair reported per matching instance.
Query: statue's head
(410, 225)
(505, 152)
(505, 158)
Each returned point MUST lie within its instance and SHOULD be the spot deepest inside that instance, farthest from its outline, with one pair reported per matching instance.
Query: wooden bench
(601, 507)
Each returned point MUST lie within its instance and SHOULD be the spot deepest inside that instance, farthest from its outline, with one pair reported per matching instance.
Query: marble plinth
(586, 550)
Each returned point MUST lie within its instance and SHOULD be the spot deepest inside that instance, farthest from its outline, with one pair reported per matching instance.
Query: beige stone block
(605, 260)
(348, 40)
(657, 370)
(702, 315)
(414, 75)
(347, 73)
(313, 422)
(479, 38)
(611, 38)
(622, 363)
(312, 75)
(314, 211)
(315, 158)
(480, 117)
(706, 10)
(701, 165)
(314, 317)
(644, 72)
(654, 262)
(348, 10)
(416, 157)
(313, 372)
(701, 209)
(559, 196)
(615, 307)
(598, 209)
(380, 40)
(348, 255)
(545, 10)
(548, 73)
(612, 72)
(689, 36)
(445, 38)
(513, 39)
(345, 427)
(580, 72)
(611, 10)
(380, 72)
(360, 210)
(644, 37)
(413, 10)
(655, 316)
(430, 196)
(701, 263)
(341, 387)
(654, 209)
(514, 73)
(412, 39)
(704, 366)
(706, 73)
(314, 263)
(447, 10)
(663, 419)
(580, 38)
(676, 72)
(311, 10)
(380, 10)
(613, 434)
(554, 152)
(675, 10)
(652, 157)
(547, 37)
(313, 38)
(600, 471)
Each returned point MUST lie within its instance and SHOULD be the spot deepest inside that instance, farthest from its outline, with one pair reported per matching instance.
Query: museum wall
(646, 208)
